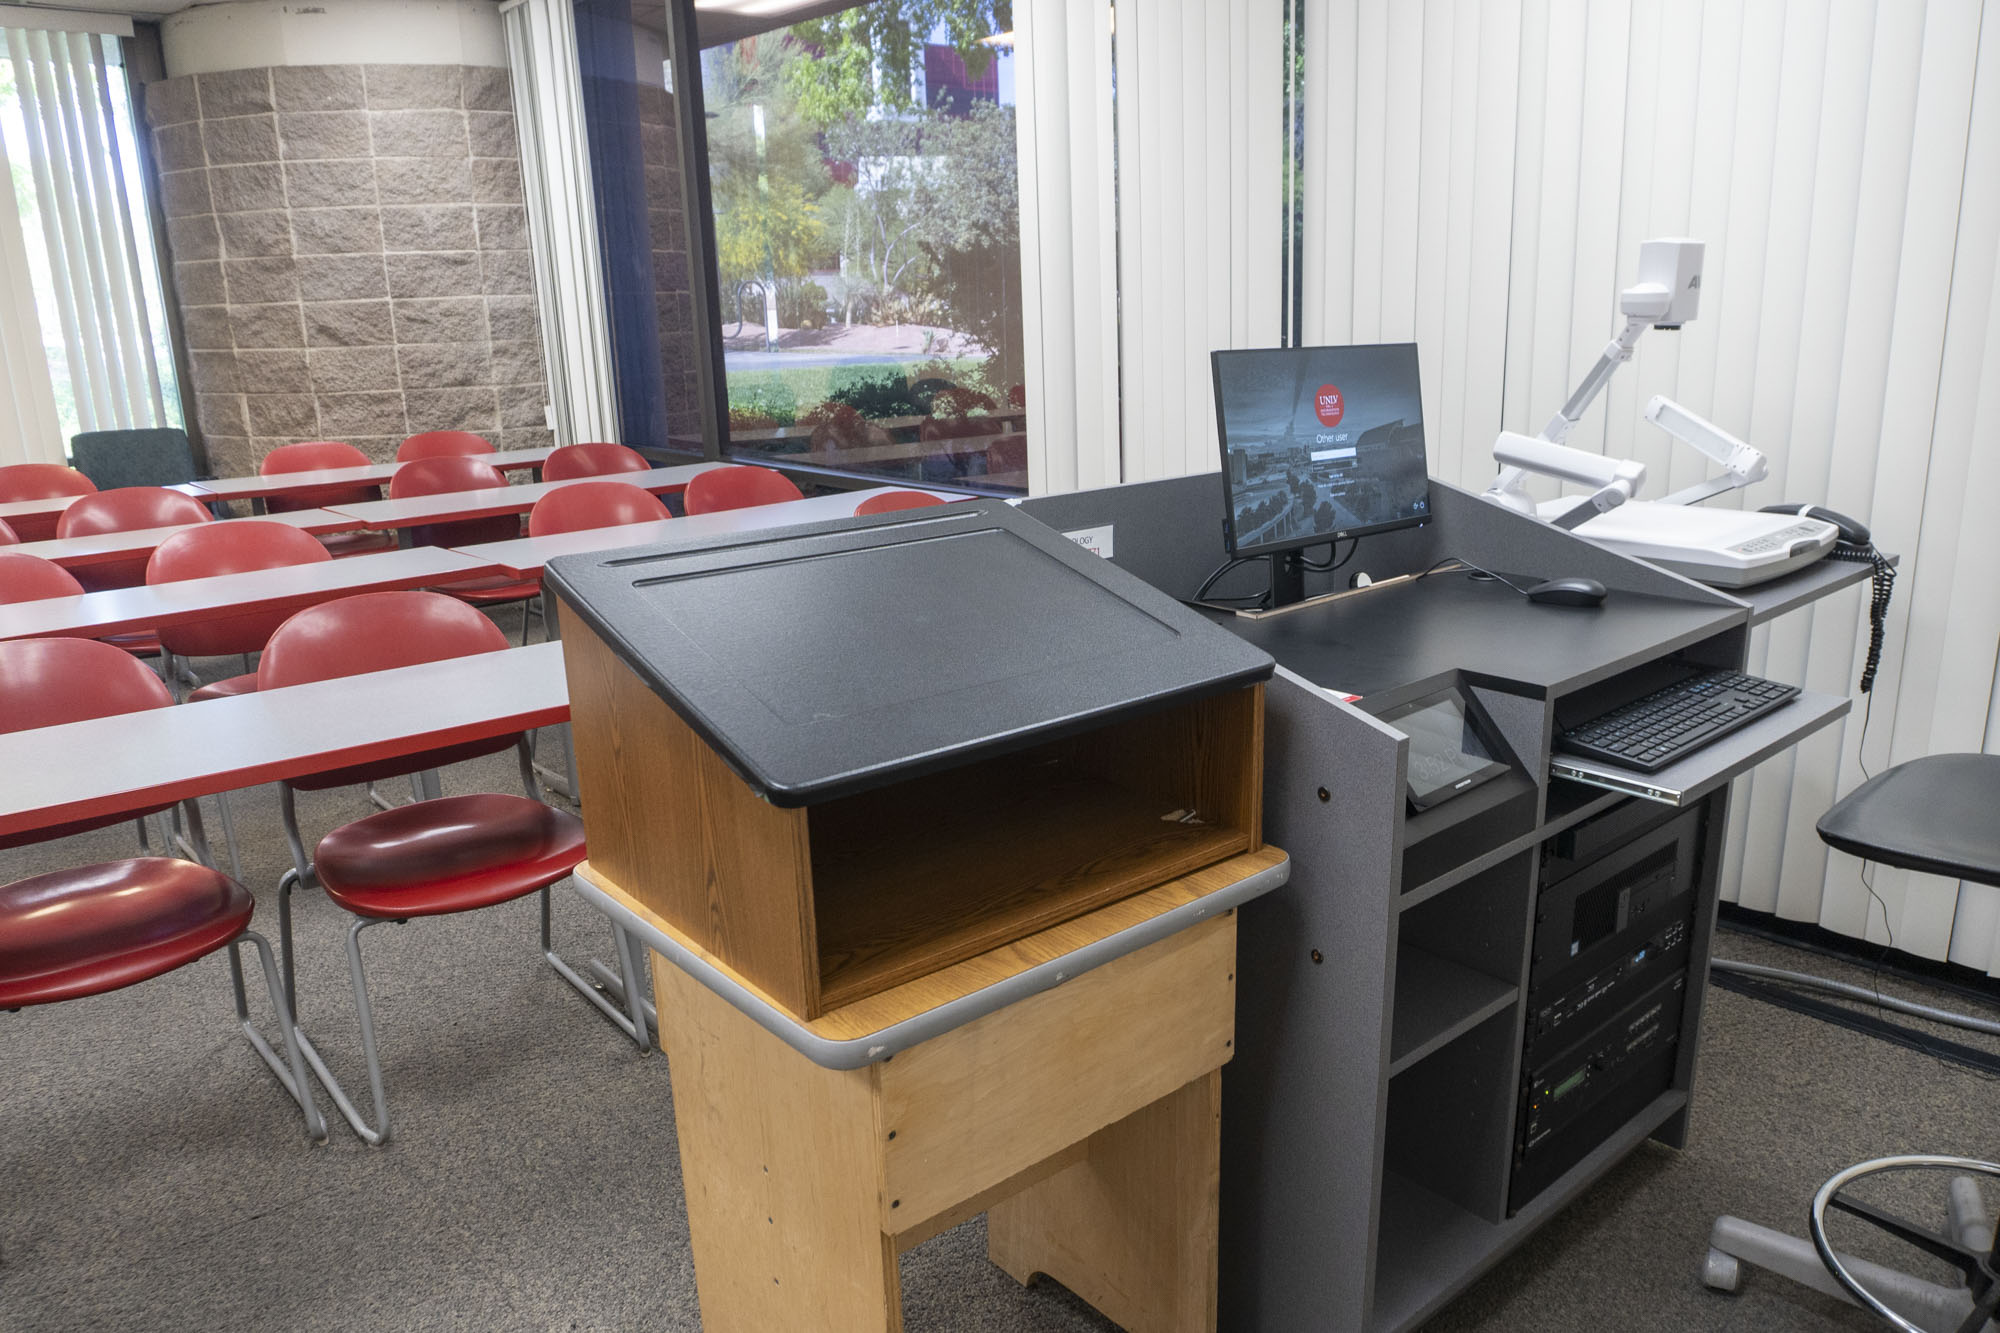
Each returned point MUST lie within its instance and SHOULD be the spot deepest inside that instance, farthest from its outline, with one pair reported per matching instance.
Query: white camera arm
(1667, 295)
(1743, 465)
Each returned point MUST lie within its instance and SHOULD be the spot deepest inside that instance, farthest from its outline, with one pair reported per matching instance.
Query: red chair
(442, 444)
(99, 928)
(319, 456)
(592, 460)
(889, 502)
(8, 537)
(40, 481)
(447, 854)
(442, 475)
(723, 488)
(234, 547)
(594, 504)
(126, 509)
(29, 578)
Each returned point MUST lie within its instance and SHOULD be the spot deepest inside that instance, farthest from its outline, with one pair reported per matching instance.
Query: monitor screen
(1319, 443)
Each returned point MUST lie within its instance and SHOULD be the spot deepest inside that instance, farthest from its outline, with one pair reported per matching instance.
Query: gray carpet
(153, 1176)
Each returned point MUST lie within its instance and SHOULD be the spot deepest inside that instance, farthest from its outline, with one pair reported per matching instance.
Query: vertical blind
(1478, 179)
(562, 219)
(1151, 151)
(30, 430)
(67, 89)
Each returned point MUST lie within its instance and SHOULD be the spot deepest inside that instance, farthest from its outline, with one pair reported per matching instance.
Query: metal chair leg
(378, 1134)
(632, 1023)
(292, 1078)
(229, 835)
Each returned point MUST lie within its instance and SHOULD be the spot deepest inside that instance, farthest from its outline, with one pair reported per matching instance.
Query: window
(67, 128)
(864, 175)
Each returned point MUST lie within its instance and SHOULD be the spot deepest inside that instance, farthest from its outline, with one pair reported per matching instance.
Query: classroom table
(153, 606)
(370, 474)
(453, 506)
(524, 557)
(110, 766)
(104, 547)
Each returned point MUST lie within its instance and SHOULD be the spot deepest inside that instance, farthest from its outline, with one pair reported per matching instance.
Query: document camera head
(1668, 292)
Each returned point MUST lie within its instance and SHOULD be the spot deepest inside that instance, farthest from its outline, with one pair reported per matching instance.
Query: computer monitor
(1318, 444)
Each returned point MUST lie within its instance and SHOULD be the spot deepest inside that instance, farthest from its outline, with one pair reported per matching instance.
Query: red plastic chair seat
(226, 688)
(99, 928)
(340, 545)
(492, 588)
(452, 854)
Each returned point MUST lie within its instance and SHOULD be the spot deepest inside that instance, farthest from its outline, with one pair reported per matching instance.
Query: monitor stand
(1288, 578)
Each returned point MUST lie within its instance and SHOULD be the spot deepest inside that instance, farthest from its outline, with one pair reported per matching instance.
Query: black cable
(1332, 548)
(1467, 564)
(1333, 561)
(1884, 584)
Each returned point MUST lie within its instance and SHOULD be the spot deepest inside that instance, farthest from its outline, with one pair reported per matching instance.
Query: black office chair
(1940, 815)
(151, 456)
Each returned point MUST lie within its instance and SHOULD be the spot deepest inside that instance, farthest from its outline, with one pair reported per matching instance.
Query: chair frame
(634, 1023)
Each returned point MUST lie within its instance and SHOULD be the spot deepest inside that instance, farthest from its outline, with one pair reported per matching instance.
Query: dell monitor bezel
(1293, 544)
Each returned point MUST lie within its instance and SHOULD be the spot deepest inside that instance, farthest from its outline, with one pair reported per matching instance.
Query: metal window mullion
(139, 378)
(28, 81)
(88, 207)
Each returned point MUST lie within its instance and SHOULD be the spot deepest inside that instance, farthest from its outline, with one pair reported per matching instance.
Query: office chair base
(1905, 1301)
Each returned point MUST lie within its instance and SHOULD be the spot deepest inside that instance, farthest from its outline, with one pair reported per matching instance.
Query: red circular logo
(1328, 405)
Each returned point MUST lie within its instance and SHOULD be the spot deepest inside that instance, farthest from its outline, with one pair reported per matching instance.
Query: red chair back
(124, 510)
(442, 444)
(8, 537)
(442, 474)
(229, 548)
(378, 631)
(593, 504)
(738, 488)
(47, 682)
(29, 578)
(592, 460)
(890, 501)
(315, 456)
(40, 481)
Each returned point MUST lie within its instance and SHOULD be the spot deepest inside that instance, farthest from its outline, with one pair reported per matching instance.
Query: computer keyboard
(1653, 731)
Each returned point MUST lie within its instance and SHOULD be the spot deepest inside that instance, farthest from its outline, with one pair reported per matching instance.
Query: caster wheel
(1721, 1272)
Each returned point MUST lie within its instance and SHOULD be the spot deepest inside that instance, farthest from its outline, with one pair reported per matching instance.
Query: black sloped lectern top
(829, 658)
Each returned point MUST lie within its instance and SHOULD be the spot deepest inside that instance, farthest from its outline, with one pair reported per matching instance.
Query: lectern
(935, 824)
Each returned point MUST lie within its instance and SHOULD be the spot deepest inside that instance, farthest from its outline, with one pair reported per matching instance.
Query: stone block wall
(349, 256)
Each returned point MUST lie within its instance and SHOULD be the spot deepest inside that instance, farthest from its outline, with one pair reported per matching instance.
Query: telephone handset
(1851, 533)
(1856, 545)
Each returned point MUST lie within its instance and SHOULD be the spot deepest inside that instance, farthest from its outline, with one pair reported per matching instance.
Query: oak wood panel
(867, 1016)
(912, 1232)
(1207, 754)
(671, 825)
(918, 876)
(1133, 1228)
(781, 1166)
(979, 1104)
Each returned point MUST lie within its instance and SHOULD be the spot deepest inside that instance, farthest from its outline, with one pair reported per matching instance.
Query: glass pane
(864, 174)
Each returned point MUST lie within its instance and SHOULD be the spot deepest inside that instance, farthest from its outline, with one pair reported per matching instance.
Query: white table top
(524, 557)
(107, 546)
(371, 474)
(48, 504)
(117, 610)
(455, 505)
(105, 766)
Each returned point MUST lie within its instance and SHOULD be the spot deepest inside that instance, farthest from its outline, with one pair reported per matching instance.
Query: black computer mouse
(1567, 592)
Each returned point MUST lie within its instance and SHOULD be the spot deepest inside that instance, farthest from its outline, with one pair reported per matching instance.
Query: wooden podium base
(1084, 1120)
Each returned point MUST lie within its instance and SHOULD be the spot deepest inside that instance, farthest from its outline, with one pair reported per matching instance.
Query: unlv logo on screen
(1328, 405)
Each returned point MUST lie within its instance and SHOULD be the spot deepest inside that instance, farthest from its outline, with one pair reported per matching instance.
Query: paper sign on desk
(1097, 541)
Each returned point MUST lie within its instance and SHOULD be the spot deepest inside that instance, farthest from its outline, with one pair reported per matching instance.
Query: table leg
(782, 1173)
(1132, 1227)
